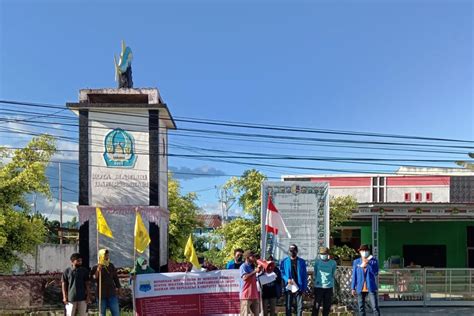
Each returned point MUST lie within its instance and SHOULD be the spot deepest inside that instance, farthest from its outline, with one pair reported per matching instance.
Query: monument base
(121, 220)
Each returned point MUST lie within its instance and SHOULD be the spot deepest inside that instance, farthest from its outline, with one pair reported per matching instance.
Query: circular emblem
(119, 149)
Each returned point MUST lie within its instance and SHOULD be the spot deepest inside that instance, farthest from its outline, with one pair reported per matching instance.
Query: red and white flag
(274, 222)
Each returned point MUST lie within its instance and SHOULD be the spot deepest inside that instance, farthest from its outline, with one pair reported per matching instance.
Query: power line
(256, 126)
(246, 136)
(264, 165)
(252, 155)
(248, 156)
(345, 160)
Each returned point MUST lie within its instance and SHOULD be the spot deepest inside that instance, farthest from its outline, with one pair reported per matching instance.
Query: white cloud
(211, 208)
(67, 150)
(215, 208)
(50, 208)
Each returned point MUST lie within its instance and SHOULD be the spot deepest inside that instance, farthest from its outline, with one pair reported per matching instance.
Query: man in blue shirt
(293, 273)
(324, 270)
(364, 275)
(237, 261)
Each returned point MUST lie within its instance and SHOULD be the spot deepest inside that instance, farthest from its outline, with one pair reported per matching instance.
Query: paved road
(420, 311)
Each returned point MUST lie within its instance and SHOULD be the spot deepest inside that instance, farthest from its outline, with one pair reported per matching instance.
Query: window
(374, 195)
(429, 196)
(418, 197)
(407, 197)
(378, 189)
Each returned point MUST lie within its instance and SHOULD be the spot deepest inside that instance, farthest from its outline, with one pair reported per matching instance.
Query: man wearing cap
(324, 270)
(249, 304)
(295, 277)
(364, 275)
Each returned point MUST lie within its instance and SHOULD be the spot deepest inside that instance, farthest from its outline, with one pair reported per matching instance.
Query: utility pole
(227, 200)
(34, 204)
(60, 205)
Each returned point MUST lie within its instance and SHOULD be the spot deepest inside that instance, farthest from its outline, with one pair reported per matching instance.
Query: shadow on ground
(419, 311)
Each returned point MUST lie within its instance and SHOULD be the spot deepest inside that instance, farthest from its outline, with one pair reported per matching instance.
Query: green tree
(243, 232)
(22, 174)
(340, 210)
(248, 188)
(183, 218)
(73, 223)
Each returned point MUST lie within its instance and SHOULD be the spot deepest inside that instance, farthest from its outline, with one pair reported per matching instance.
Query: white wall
(361, 194)
(125, 190)
(48, 258)
(439, 193)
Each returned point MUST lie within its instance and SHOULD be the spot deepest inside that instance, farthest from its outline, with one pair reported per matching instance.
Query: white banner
(188, 294)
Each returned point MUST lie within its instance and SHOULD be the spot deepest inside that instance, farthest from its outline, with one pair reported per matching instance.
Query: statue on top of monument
(123, 67)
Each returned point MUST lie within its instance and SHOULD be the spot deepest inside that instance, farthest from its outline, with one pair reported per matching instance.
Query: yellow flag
(142, 239)
(102, 226)
(191, 255)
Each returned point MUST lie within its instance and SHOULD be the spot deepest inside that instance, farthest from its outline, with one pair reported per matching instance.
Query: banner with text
(188, 294)
(304, 207)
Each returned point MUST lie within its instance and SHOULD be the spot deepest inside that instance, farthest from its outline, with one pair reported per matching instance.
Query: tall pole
(226, 199)
(134, 264)
(60, 205)
(100, 271)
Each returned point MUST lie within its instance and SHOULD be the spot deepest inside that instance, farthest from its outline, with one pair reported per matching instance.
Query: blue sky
(399, 67)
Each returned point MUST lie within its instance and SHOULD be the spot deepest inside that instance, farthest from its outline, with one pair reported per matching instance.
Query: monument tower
(123, 166)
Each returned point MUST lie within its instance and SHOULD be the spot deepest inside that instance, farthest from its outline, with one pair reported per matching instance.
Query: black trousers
(322, 297)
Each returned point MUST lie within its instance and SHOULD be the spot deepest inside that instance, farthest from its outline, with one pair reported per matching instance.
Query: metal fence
(417, 287)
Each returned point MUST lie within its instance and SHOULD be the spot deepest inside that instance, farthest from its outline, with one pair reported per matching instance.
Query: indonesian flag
(274, 222)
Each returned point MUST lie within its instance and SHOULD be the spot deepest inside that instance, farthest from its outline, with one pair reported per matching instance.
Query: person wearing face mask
(75, 287)
(324, 271)
(364, 275)
(237, 261)
(110, 283)
(295, 278)
(271, 292)
(141, 267)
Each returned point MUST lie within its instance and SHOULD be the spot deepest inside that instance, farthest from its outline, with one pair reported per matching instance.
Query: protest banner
(188, 294)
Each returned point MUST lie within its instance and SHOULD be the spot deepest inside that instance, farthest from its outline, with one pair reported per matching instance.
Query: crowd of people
(76, 279)
(290, 280)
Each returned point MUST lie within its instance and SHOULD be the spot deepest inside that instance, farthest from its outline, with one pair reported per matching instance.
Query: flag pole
(265, 234)
(98, 261)
(134, 263)
(264, 242)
